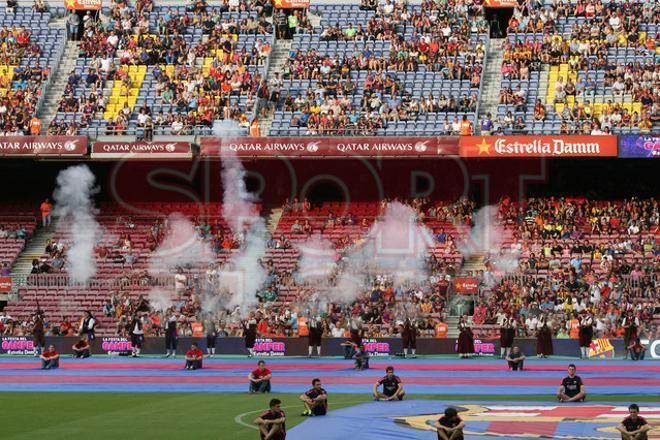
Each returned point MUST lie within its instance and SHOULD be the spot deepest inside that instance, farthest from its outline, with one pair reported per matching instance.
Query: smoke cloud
(395, 248)
(486, 238)
(74, 205)
(317, 260)
(181, 246)
(160, 299)
(243, 275)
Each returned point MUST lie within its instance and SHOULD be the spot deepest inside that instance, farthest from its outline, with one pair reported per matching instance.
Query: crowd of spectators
(20, 83)
(588, 47)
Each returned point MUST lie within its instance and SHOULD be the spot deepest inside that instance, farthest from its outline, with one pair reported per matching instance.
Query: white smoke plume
(160, 299)
(243, 275)
(182, 246)
(395, 248)
(74, 205)
(486, 237)
(317, 260)
(238, 205)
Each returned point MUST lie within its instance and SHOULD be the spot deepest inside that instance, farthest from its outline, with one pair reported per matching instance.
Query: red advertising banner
(501, 3)
(161, 150)
(309, 147)
(43, 145)
(291, 4)
(83, 5)
(538, 146)
(5, 284)
(466, 285)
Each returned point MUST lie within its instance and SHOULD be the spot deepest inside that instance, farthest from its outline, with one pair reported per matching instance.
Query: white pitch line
(239, 418)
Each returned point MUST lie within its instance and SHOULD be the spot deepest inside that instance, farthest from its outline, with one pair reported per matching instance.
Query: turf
(163, 416)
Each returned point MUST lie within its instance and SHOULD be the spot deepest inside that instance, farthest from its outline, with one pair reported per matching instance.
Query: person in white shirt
(531, 323)
(180, 282)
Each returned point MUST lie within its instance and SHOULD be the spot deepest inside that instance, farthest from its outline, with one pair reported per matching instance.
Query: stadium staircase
(59, 80)
(452, 326)
(278, 57)
(474, 264)
(34, 249)
(490, 91)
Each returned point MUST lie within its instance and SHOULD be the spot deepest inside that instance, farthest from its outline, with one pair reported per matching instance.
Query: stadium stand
(601, 63)
(384, 72)
(30, 50)
(170, 70)
(572, 255)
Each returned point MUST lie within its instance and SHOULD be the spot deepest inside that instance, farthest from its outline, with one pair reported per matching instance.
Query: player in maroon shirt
(315, 400)
(572, 388)
(194, 357)
(272, 422)
(260, 379)
(392, 386)
(634, 427)
(450, 426)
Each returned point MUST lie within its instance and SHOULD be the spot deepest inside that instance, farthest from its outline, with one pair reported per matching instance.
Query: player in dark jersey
(450, 426)
(272, 422)
(572, 388)
(634, 427)
(392, 386)
(315, 400)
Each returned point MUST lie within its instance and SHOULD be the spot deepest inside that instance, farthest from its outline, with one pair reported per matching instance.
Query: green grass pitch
(164, 416)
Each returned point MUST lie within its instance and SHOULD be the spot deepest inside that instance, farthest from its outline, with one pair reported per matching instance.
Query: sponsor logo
(538, 146)
(17, 345)
(70, 145)
(375, 348)
(5, 284)
(116, 345)
(313, 147)
(421, 147)
(268, 347)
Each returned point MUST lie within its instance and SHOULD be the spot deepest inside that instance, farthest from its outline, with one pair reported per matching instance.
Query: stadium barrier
(298, 346)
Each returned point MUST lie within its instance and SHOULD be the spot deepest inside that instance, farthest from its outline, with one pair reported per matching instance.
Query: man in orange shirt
(466, 127)
(35, 126)
(45, 208)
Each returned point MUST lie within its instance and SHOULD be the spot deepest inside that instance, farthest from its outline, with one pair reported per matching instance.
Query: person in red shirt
(81, 349)
(260, 379)
(194, 358)
(50, 358)
(45, 209)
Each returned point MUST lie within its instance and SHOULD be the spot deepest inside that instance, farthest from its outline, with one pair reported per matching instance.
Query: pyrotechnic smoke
(395, 247)
(182, 246)
(486, 237)
(317, 260)
(160, 299)
(74, 205)
(243, 275)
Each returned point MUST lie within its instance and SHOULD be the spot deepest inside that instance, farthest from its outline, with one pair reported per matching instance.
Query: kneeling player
(392, 387)
(272, 422)
(194, 357)
(450, 426)
(572, 388)
(81, 349)
(315, 400)
(634, 427)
